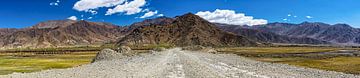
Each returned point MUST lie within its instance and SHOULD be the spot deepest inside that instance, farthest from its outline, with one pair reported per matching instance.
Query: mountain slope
(339, 33)
(62, 33)
(185, 30)
(268, 37)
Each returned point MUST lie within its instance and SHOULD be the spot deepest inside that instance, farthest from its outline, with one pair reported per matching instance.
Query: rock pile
(107, 54)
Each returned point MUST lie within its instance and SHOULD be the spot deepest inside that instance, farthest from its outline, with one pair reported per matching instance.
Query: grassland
(31, 62)
(347, 64)
(37, 59)
(273, 50)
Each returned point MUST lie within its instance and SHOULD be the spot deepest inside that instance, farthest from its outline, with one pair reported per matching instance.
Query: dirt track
(176, 63)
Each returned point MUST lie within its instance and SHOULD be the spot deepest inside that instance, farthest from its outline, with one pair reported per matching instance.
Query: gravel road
(177, 63)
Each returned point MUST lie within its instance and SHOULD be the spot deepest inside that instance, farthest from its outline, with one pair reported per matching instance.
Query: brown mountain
(341, 34)
(185, 30)
(268, 37)
(61, 33)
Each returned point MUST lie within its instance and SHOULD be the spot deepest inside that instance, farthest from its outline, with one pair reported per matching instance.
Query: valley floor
(177, 63)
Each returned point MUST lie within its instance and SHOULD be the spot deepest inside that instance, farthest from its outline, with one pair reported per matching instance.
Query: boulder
(123, 49)
(126, 51)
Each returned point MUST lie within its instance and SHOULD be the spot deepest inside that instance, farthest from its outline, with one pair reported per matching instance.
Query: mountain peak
(186, 30)
(190, 15)
(190, 19)
(53, 24)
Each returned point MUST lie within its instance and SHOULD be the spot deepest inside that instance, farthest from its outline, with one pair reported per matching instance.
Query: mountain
(341, 34)
(268, 37)
(185, 30)
(61, 33)
(156, 21)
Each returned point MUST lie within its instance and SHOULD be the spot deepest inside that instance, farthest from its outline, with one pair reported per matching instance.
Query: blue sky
(24, 13)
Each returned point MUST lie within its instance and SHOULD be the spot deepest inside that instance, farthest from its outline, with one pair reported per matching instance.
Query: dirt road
(176, 63)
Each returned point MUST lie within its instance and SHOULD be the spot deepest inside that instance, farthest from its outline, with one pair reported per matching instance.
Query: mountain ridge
(185, 30)
(61, 33)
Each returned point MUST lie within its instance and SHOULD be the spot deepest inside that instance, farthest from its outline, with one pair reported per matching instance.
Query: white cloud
(160, 15)
(90, 17)
(149, 14)
(309, 17)
(295, 16)
(285, 19)
(54, 4)
(72, 18)
(230, 17)
(93, 12)
(86, 5)
(128, 8)
(146, 10)
(289, 15)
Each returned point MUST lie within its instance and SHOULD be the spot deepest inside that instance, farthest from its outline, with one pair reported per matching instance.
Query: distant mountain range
(188, 29)
(267, 36)
(60, 33)
(340, 34)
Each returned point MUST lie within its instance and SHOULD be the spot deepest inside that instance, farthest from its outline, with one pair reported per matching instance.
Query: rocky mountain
(7, 31)
(61, 33)
(268, 37)
(156, 21)
(342, 34)
(185, 30)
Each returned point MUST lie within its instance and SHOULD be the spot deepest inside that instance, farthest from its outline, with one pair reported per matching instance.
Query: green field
(346, 64)
(31, 62)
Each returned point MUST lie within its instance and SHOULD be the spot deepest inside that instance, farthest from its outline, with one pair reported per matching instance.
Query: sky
(25, 13)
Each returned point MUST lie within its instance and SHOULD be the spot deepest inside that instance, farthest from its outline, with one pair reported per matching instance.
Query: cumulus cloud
(72, 18)
(86, 5)
(128, 8)
(230, 17)
(149, 14)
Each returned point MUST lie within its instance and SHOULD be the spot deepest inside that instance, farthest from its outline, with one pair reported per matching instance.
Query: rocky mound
(107, 54)
(185, 30)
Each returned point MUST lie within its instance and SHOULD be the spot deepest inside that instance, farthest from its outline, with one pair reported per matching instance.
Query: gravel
(177, 63)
